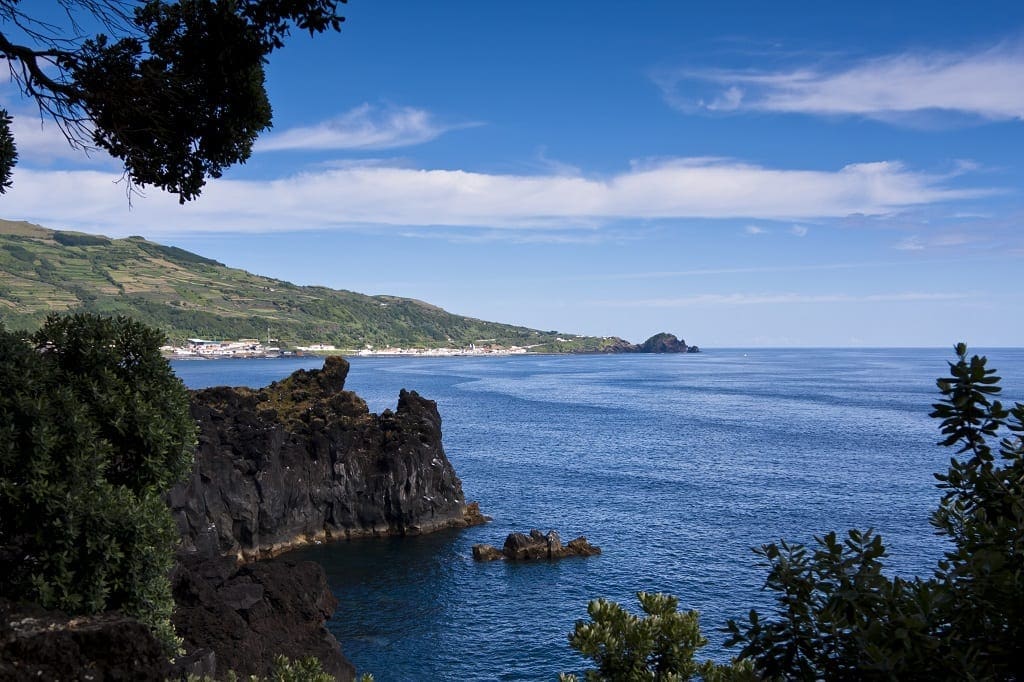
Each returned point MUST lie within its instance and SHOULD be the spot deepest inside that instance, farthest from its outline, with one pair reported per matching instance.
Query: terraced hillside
(187, 295)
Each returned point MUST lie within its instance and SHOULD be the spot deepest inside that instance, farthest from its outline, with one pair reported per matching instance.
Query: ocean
(675, 465)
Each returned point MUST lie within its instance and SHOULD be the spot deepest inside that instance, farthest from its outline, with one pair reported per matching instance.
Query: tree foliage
(8, 151)
(174, 89)
(659, 646)
(94, 429)
(839, 617)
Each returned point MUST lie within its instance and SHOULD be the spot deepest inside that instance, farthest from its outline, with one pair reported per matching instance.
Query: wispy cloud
(365, 127)
(754, 229)
(987, 84)
(381, 195)
(798, 230)
(741, 299)
(943, 240)
(562, 237)
(41, 143)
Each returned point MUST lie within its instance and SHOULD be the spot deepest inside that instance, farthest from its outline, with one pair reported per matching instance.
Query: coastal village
(254, 348)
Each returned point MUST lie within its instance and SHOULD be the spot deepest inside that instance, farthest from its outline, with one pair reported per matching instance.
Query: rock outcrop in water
(534, 547)
(659, 343)
(304, 460)
(665, 343)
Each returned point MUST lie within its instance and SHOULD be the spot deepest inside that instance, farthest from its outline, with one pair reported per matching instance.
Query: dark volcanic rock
(299, 461)
(230, 618)
(36, 644)
(240, 618)
(663, 343)
(484, 552)
(304, 460)
(534, 547)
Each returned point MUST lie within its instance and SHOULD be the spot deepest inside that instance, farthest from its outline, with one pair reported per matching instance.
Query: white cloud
(364, 127)
(40, 143)
(382, 195)
(798, 231)
(988, 84)
(740, 299)
(943, 240)
(754, 229)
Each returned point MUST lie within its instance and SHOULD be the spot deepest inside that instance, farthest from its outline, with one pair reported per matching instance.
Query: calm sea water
(675, 465)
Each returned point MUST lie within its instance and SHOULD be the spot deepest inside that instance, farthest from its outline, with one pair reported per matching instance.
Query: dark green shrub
(659, 646)
(8, 151)
(94, 429)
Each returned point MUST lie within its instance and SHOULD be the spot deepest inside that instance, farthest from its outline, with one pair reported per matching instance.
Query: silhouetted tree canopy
(175, 90)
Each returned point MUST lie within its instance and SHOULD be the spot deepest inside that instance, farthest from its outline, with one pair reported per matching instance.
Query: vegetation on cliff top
(187, 295)
(94, 429)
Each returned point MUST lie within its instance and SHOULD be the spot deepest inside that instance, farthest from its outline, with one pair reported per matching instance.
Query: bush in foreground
(94, 429)
(659, 646)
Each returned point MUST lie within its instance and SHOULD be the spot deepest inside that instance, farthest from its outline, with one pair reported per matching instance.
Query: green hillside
(186, 295)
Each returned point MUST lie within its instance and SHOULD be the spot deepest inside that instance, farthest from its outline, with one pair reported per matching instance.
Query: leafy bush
(94, 429)
(659, 646)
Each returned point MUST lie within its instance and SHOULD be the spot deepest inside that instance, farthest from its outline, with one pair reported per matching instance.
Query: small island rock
(534, 547)
(663, 343)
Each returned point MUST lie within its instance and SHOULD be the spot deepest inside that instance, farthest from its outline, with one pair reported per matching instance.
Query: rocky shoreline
(300, 461)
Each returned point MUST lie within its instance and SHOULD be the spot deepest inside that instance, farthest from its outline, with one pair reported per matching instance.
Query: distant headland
(201, 349)
(198, 302)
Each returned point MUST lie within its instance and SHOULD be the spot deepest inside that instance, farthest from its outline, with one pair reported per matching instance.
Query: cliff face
(241, 617)
(298, 461)
(304, 460)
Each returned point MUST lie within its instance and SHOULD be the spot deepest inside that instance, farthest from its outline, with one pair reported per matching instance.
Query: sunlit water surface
(676, 465)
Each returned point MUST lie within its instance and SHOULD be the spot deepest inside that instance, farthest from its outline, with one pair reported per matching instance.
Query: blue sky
(740, 174)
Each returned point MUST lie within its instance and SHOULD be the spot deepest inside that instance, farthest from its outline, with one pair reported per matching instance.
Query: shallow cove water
(676, 465)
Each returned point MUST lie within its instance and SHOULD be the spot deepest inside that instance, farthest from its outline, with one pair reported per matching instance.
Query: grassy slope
(43, 271)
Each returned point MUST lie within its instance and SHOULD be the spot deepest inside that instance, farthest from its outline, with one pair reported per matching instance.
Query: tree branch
(29, 60)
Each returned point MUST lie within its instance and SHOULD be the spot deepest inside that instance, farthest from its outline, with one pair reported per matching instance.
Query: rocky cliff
(239, 618)
(230, 618)
(299, 461)
(304, 460)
